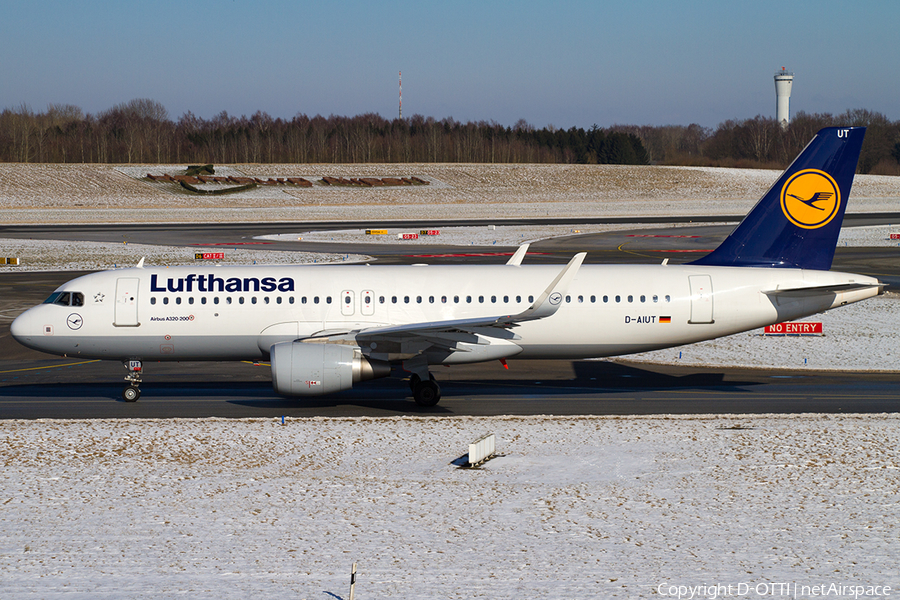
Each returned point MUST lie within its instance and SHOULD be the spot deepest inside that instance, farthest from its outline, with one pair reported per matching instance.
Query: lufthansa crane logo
(810, 198)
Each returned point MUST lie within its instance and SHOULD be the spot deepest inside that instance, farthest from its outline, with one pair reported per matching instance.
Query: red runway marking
(234, 244)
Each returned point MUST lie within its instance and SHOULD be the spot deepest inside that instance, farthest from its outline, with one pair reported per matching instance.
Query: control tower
(783, 81)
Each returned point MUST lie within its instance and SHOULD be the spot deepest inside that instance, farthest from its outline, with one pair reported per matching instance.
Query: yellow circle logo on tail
(810, 198)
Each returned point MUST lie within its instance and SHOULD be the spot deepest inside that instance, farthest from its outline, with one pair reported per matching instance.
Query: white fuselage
(237, 313)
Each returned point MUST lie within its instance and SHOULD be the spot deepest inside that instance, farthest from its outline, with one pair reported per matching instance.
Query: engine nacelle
(304, 369)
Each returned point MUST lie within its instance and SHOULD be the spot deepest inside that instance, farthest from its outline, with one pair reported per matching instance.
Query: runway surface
(34, 385)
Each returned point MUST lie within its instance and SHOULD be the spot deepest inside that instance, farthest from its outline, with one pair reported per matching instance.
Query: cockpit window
(66, 299)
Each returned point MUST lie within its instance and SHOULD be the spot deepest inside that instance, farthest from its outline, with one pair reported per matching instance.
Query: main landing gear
(425, 393)
(132, 392)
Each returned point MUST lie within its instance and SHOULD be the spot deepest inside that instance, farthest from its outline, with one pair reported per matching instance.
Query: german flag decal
(665, 319)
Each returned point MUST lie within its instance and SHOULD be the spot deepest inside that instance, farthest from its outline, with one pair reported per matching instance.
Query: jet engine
(304, 369)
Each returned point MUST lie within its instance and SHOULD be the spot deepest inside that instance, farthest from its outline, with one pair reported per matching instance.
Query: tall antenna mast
(400, 74)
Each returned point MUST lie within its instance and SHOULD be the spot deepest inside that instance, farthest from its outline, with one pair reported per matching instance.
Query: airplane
(325, 328)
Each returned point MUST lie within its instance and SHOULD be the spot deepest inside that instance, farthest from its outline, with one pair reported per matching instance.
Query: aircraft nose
(22, 328)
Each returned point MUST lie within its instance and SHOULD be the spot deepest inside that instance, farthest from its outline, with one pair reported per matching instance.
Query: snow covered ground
(579, 507)
(58, 255)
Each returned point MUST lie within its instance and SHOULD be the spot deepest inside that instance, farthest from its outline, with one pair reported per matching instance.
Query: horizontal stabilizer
(818, 290)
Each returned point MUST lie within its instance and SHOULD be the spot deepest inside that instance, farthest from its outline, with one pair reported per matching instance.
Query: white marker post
(352, 581)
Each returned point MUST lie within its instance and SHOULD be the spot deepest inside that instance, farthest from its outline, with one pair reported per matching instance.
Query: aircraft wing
(447, 334)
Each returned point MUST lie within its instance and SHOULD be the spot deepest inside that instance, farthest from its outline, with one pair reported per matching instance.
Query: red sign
(209, 255)
(794, 328)
(430, 232)
(895, 236)
(409, 236)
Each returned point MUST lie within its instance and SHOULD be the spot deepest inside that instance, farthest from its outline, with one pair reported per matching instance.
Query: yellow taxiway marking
(50, 367)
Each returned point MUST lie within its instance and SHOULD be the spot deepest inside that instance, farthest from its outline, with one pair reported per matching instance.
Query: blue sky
(559, 63)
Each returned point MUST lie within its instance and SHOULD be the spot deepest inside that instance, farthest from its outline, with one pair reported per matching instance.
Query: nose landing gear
(132, 392)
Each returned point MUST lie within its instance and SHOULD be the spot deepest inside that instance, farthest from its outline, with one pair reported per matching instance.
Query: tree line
(140, 131)
(762, 142)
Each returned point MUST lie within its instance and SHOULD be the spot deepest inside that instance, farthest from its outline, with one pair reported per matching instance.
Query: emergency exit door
(701, 299)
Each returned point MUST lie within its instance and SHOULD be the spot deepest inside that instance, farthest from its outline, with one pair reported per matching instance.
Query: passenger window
(165, 299)
(302, 300)
(241, 300)
(481, 299)
(380, 299)
(593, 299)
(456, 299)
(203, 300)
(631, 298)
(253, 300)
(393, 299)
(518, 298)
(216, 300)
(443, 299)
(580, 299)
(190, 300)
(431, 299)
(347, 299)
(643, 298)
(468, 299)
(178, 300)
(153, 300)
(605, 299)
(328, 300)
(405, 299)
(291, 300)
(506, 299)
(531, 298)
(618, 299)
(668, 298)
(655, 298)
(419, 299)
(228, 300)
(316, 300)
(493, 299)
(568, 299)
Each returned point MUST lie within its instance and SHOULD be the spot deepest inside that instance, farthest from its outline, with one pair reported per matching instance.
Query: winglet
(140, 264)
(551, 299)
(516, 259)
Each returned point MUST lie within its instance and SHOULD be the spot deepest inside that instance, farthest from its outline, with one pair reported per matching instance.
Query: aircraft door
(701, 299)
(347, 303)
(127, 302)
(367, 299)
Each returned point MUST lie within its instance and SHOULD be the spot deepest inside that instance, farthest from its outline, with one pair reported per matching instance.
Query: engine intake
(304, 369)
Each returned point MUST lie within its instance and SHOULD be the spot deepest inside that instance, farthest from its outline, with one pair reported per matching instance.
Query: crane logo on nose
(74, 321)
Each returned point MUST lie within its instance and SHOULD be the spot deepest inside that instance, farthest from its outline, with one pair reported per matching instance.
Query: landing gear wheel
(131, 394)
(414, 381)
(427, 393)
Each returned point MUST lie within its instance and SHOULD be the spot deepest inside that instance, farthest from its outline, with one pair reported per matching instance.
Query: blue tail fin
(796, 224)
